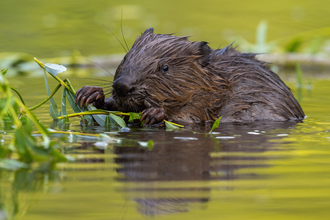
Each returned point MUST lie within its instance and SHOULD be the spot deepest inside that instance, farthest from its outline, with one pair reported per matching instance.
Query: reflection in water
(190, 157)
(17, 188)
(176, 176)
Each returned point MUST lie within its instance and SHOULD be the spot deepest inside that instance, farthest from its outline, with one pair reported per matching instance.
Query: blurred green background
(57, 28)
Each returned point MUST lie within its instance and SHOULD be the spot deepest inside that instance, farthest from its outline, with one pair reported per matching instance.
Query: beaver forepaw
(153, 116)
(90, 94)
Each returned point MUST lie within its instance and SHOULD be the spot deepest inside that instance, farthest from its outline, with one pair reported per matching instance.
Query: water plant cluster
(21, 145)
(24, 145)
(314, 41)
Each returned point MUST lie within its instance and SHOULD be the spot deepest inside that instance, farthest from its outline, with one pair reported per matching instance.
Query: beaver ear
(204, 51)
(148, 31)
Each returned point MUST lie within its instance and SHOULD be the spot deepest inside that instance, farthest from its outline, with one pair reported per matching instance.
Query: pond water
(241, 171)
(57, 28)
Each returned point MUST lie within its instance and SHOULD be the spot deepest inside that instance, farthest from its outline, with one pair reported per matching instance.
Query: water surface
(241, 171)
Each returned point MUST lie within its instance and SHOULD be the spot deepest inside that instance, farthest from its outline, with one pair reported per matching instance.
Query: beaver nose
(122, 88)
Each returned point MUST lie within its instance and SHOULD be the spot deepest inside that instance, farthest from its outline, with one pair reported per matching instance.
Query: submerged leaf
(215, 124)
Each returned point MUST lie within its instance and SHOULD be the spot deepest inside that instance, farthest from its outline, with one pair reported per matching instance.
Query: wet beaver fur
(169, 77)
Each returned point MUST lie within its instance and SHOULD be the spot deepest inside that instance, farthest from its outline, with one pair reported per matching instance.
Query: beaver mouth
(131, 103)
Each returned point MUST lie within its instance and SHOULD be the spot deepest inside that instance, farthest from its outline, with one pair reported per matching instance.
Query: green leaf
(150, 144)
(119, 120)
(52, 106)
(11, 164)
(133, 116)
(171, 125)
(100, 119)
(27, 124)
(294, 45)
(261, 33)
(54, 69)
(72, 101)
(22, 141)
(4, 71)
(57, 156)
(41, 128)
(107, 122)
(215, 124)
(5, 104)
(63, 104)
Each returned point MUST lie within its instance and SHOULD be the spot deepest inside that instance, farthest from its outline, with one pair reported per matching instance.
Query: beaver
(169, 77)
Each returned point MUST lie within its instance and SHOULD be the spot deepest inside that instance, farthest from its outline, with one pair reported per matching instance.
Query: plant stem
(67, 81)
(51, 95)
(92, 113)
(61, 82)
(19, 95)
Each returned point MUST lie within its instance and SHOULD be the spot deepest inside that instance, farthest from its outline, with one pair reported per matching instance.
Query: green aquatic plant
(21, 144)
(308, 42)
(215, 125)
(261, 45)
(102, 117)
(23, 147)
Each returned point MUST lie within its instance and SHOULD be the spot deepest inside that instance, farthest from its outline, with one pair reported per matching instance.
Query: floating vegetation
(22, 147)
(14, 115)
(215, 124)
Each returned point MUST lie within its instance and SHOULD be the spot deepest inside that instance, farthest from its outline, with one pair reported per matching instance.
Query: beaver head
(168, 72)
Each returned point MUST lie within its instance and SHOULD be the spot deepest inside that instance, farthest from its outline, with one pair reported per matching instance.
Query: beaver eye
(165, 69)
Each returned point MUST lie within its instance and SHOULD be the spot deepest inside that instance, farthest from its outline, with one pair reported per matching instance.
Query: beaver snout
(122, 87)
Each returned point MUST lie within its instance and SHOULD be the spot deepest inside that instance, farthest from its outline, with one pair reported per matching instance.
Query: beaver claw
(90, 94)
(153, 116)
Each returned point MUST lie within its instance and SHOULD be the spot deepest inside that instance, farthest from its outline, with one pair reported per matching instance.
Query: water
(57, 28)
(241, 171)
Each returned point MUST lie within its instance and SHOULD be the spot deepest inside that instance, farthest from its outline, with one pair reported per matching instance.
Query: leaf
(150, 144)
(4, 71)
(22, 140)
(52, 106)
(294, 45)
(100, 119)
(63, 103)
(58, 157)
(134, 116)
(11, 164)
(119, 120)
(5, 104)
(54, 69)
(107, 123)
(261, 33)
(215, 124)
(171, 125)
(41, 128)
(27, 124)
(72, 101)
